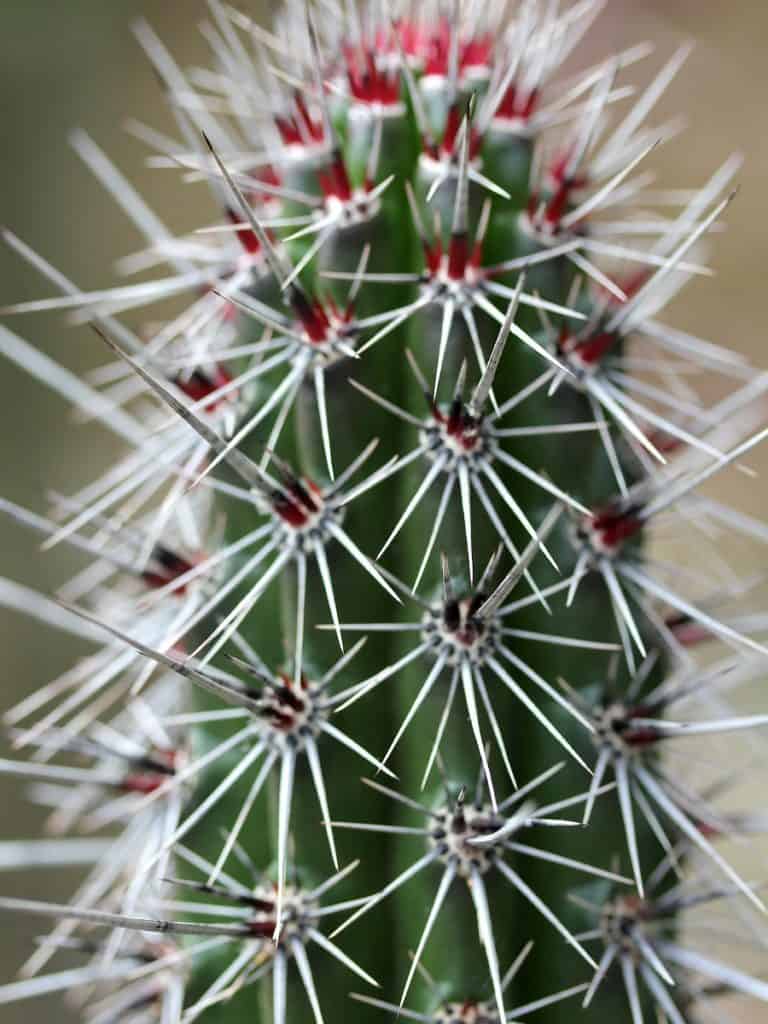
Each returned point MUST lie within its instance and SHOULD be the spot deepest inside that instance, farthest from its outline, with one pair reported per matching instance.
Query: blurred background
(64, 65)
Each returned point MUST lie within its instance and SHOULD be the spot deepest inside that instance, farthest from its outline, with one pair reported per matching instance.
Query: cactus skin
(338, 144)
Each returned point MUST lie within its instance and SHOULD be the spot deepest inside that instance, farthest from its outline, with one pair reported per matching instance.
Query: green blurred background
(69, 63)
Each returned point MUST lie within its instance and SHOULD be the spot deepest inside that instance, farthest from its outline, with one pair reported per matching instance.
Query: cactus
(388, 694)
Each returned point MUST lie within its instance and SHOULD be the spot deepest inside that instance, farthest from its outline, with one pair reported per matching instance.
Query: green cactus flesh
(466, 329)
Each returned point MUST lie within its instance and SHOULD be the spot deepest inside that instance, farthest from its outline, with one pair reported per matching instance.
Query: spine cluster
(388, 695)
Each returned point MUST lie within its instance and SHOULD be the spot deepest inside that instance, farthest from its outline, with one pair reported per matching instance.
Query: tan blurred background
(67, 63)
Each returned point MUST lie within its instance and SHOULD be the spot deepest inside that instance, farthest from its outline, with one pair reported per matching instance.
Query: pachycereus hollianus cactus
(388, 704)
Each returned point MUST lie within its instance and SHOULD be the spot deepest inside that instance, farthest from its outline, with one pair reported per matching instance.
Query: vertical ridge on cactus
(411, 386)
